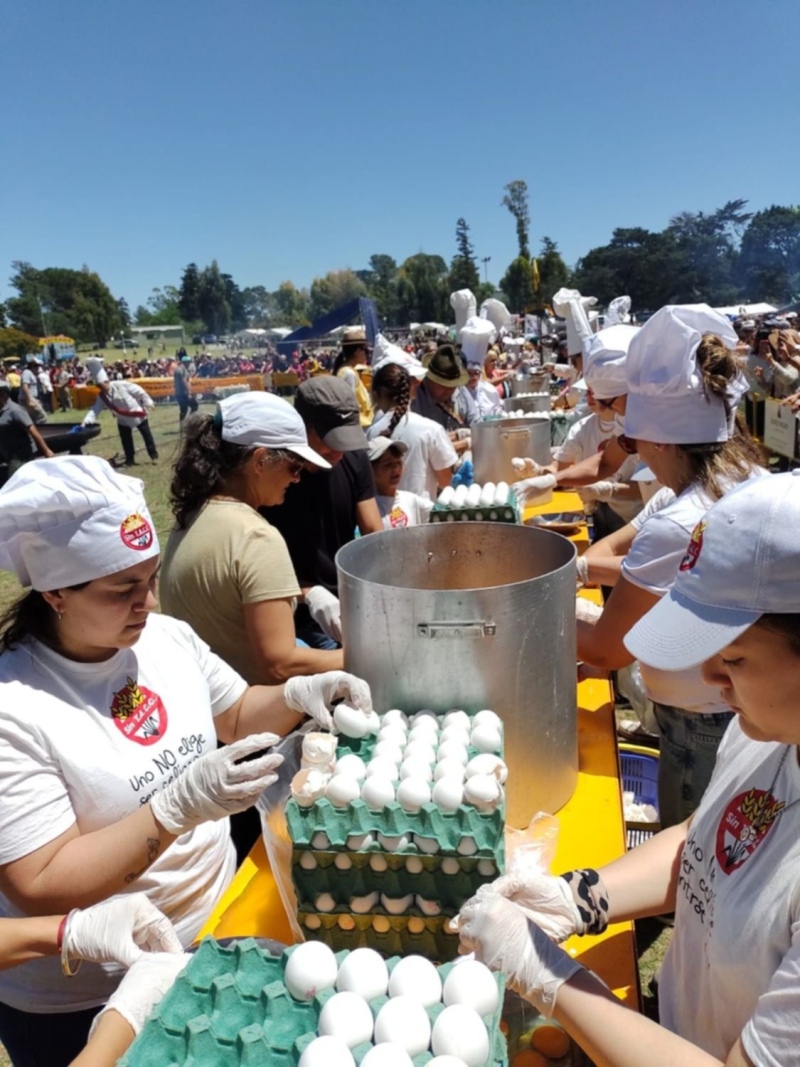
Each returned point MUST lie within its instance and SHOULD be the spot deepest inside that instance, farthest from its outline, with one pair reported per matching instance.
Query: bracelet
(60, 935)
(63, 932)
(591, 899)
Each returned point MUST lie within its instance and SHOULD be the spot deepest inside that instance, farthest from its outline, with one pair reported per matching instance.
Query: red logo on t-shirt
(694, 548)
(139, 714)
(397, 517)
(136, 532)
(746, 822)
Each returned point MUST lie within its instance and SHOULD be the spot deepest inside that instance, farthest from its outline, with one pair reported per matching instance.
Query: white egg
(424, 713)
(445, 1061)
(455, 733)
(420, 750)
(414, 865)
(486, 868)
(384, 768)
(342, 862)
(450, 865)
(426, 731)
(416, 978)
(353, 766)
(448, 794)
(377, 791)
(487, 763)
(393, 843)
(449, 768)
(484, 792)
(403, 1021)
(363, 971)
(363, 905)
(310, 968)
(428, 907)
(326, 1052)
(346, 1015)
(453, 750)
(388, 750)
(457, 717)
(467, 846)
(312, 922)
(460, 1031)
(320, 841)
(394, 717)
(342, 790)
(324, 902)
(489, 717)
(473, 984)
(416, 768)
(429, 845)
(351, 722)
(486, 738)
(394, 733)
(387, 1056)
(356, 842)
(415, 924)
(378, 863)
(374, 720)
(308, 861)
(412, 793)
(308, 785)
(397, 906)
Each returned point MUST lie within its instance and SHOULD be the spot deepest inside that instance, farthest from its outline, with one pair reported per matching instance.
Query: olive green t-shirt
(227, 557)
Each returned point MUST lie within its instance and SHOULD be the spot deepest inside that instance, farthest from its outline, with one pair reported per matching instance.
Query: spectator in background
(183, 385)
(355, 350)
(29, 392)
(19, 438)
(45, 389)
(63, 380)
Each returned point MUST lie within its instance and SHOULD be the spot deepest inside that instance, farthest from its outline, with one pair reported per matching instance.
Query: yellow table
(592, 833)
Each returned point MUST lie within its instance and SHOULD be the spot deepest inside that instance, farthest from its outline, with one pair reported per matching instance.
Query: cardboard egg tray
(449, 890)
(391, 935)
(508, 512)
(230, 1008)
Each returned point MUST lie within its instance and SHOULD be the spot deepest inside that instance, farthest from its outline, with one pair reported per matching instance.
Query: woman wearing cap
(227, 570)
(729, 988)
(398, 507)
(683, 385)
(431, 457)
(355, 351)
(110, 781)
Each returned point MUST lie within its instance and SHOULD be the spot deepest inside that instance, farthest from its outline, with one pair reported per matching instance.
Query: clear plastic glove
(528, 467)
(586, 610)
(325, 610)
(532, 489)
(504, 938)
(119, 930)
(143, 987)
(601, 491)
(546, 900)
(314, 694)
(216, 786)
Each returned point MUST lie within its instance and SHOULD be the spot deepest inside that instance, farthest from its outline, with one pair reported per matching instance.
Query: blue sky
(286, 139)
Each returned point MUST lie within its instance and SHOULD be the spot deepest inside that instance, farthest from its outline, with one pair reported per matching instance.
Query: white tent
(735, 310)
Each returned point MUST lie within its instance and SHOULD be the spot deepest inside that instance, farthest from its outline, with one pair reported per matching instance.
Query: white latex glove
(119, 930)
(314, 694)
(324, 609)
(582, 570)
(143, 987)
(545, 899)
(89, 418)
(586, 610)
(603, 491)
(531, 489)
(528, 467)
(215, 786)
(503, 937)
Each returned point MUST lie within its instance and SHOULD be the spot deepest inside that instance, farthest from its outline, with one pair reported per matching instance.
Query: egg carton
(449, 888)
(230, 1008)
(508, 512)
(391, 935)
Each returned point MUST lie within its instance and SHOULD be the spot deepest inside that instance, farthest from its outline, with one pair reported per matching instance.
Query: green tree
(708, 244)
(164, 305)
(769, 256)
(60, 300)
(553, 271)
(257, 305)
(516, 200)
(517, 285)
(337, 287)
(429, 280)
(189, 299)
(16, 343)
(378, 280)
(463, 268)
(143, 316)
(215, 311)
(291, 306)
(236, 302)
(645, 265)
(124, 314)
(2, 315)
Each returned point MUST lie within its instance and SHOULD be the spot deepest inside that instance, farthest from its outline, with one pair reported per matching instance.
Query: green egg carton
(508, 512)
(449, 890)
(230, 1008)
(392, 935)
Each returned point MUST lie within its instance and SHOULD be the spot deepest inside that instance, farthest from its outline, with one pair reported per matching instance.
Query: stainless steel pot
(530, 382)
(495, 442)
(473, 615)
(527, 402)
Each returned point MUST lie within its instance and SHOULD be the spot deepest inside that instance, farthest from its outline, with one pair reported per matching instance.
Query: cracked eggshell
(310, 968)
(416, 978)
(351, 722)
(487, 763)
(319, 748)
(484, 792)
(309, 785)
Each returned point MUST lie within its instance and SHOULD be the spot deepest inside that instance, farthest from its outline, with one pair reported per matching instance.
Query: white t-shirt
(585, 438)
(734, 963)
(127, 401)
(90, 743)
(404, 509)
(429, 450)
(657, 501)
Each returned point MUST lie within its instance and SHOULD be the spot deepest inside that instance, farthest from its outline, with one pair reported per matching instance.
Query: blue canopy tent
(360, 308)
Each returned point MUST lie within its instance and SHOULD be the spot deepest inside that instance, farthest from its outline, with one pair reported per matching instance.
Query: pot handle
(457, 629)
(517, 429)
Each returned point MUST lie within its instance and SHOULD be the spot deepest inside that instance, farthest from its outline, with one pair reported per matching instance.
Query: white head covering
(570, 305)
(385, 352)
(72, 519)
(267, 421)
(94, 365)
(464, 306)
(667, 401)
(475, 337)
(604, 357)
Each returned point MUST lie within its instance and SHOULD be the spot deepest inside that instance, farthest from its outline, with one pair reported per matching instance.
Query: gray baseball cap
(328, 405)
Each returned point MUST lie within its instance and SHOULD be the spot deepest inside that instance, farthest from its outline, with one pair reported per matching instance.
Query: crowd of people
(113, 782)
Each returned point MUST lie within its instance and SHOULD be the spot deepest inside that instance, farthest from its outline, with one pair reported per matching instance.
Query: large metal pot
(495, 442)
(527, 402)
(530, 382)
(473, 615)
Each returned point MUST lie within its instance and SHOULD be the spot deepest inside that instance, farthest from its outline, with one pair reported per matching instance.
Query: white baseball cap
(266, 421)
(604, 357)
(742, 562)
(72, 519)
(378, 445)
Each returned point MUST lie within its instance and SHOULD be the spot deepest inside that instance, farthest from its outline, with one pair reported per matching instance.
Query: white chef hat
(385, 352)
(94, 365)
(667, 400)
(476, 336)
(604, 357)
(570, 305)
(70, 520)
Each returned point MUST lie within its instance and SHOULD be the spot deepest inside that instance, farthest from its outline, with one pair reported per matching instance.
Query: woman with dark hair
(227, 570)
(431, 457)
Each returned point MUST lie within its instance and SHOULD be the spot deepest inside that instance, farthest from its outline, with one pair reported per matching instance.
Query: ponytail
(204, 464)
(393, 383)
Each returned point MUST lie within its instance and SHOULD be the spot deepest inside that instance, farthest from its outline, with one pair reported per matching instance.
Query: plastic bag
(532, 851)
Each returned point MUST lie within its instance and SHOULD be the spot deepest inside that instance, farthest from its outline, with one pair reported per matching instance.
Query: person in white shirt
(398, 507)
(729, 991)
(128, 403)
(431, 457)
(478, 399)
(110, 777)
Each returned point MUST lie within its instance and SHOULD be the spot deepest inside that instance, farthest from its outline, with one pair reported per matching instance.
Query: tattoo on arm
(153, 849)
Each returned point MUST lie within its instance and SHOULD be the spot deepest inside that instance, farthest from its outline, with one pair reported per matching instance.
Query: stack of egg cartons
(398, 831)
(476, 503)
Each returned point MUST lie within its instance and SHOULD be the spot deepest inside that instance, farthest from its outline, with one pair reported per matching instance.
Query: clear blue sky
(288, 138)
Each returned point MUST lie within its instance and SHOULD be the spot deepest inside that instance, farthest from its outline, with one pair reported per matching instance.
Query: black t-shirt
(15, 441)
(318, 516)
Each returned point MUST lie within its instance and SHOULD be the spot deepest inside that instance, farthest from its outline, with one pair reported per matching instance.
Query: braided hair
(393, 383)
